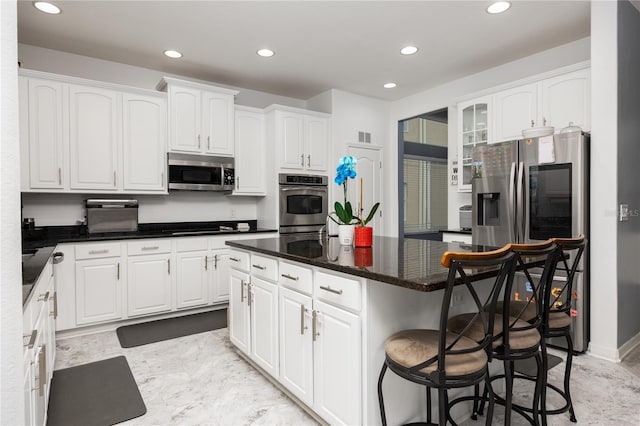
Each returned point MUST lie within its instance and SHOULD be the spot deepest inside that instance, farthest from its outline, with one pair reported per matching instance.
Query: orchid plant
(347, 170)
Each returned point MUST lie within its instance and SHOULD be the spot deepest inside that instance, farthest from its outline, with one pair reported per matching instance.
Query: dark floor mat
(170, 328)
(97, 394)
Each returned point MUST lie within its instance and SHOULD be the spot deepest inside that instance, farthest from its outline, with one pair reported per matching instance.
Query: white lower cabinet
(148, 284)
(219, 285)
(239, 321)
(263, 303)
(98, 290)
(192, 286)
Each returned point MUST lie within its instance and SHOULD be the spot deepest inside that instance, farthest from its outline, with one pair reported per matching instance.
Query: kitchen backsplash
(179, 206)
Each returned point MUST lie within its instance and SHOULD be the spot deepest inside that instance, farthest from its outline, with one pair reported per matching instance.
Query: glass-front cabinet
(474, 130)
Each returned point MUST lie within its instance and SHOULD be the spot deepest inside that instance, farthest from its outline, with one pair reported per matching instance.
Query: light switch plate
(623, 215)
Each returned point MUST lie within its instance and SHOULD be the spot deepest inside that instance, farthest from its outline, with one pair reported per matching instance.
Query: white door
(264, 325)
(317, 143)
(514, 110)
(46, 153)
(239, 311)
(148, 284)
(567, 98)
(192, 279)
(337, 364)
(217, 123)
(369, 169)
(98, 290)
(220, 275)
(290, 136)
(184, 119)
(144, 144)
(296, 345)
(94, 137)
(250, 147)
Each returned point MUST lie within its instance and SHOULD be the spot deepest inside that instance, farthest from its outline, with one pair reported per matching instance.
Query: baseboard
(111, 326)
(603, 352)
(628, 346)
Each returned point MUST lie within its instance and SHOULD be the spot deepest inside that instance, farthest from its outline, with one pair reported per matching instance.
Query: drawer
(264, 267)
(148, 247)
(338, 290)
(94, 251)
(191, 244)
(239, 260)
(296, 277)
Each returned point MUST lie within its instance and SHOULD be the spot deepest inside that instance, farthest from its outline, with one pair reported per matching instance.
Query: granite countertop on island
(408, 263)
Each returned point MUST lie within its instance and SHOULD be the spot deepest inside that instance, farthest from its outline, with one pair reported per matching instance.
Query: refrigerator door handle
(512, 201)
(521, 216)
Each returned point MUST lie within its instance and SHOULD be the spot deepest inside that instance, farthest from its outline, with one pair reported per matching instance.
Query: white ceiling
(347, 45)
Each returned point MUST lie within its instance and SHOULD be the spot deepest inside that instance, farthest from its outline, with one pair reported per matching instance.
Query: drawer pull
(303, 327)
(249, 293)
(118, 272)
(43, 297)
(234, 259)
(150, 248)
(262, 268)
(331, 290)
(206, 260)
(98, 251)
(290, 277)
(32, 339)
(314, 325)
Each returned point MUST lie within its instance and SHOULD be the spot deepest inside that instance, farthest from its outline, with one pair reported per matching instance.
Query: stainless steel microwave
(200, 172)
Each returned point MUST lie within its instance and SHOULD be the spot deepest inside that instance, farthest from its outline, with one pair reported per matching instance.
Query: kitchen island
(313, 316)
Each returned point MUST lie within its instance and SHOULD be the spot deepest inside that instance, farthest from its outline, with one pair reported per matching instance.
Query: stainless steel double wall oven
(303, 203)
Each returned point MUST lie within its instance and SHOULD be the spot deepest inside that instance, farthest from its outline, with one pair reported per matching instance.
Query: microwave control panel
(228, 178)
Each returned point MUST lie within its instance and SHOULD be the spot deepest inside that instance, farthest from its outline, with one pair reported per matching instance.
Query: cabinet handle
(208, 143)
(241, 290)
(43, 370)
(169, 266)
(331, 290)
(43, 297)
(215, 262)
(118, 272)
(59, 176)
(162, 179)
(206, 259)
(32, 339)
(262, 268)
(234, 259)
(98, 251)
(198, 141)
(533, 123)
(249, 294)
(290, 277)
(308, 160)
(303, 310)
(114, 178)
(55, 305)
(314, 325)
(150, 247)
(544, 121)
(302, 160)
(237, 181)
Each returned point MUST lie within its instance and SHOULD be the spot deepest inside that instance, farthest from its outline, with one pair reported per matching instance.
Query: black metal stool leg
(508, 391)
(443, 403)
(543, 382)
(380, 399)
(567, 377)
(428, 404)
(488, 391)
(476, 394)
(538, 390)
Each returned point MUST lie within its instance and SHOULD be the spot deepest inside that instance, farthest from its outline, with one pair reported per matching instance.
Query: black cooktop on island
(52, 235)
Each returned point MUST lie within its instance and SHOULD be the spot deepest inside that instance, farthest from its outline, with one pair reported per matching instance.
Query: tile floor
(200, 380)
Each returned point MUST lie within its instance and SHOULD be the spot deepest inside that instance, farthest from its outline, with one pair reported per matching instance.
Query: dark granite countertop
(32, 266)
(52, 235)
(409, 263)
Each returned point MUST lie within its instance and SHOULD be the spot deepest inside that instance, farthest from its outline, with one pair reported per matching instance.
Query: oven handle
(304, 189)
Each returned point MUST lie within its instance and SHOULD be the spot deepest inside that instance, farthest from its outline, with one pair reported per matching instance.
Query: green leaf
(340, 212)
(371, 214)
(348, 213)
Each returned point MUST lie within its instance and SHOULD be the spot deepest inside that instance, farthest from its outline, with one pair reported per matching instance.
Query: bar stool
(518, 326)
(444, 360)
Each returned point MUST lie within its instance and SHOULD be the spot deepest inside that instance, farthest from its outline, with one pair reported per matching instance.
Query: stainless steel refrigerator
(530, 190)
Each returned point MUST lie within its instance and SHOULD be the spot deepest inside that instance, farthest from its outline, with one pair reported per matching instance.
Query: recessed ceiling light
(266, 53)
(46, 7)
(390, 85)
(498, 7)
(408, 50)
(173, 54)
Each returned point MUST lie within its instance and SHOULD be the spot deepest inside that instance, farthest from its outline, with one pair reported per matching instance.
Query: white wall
(448, 94)
(11, 375)
(604, 140)
(178, 206)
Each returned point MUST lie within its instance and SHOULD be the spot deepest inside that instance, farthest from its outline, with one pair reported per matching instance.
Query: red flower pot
(363, 257)
(363, 236)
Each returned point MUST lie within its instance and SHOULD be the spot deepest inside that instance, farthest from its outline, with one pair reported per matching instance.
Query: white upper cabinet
(144, 133)
(200, 117)
(94, 137)
(45, 133)
(567, 98)
(250, 146)
(475, 128)
(302, 138)
(515, 109)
